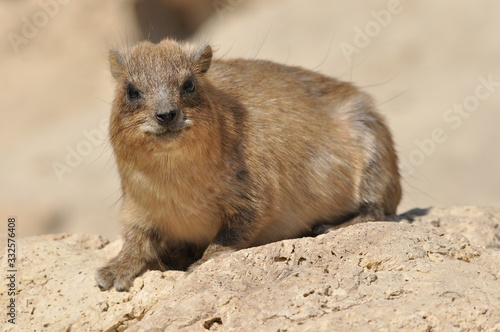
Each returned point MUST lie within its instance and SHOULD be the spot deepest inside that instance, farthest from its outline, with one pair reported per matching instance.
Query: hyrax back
(228, 154)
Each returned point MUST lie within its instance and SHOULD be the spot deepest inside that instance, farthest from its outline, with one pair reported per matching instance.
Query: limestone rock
(436, 269)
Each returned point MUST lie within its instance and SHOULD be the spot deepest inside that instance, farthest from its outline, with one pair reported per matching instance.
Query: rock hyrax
(219, 155)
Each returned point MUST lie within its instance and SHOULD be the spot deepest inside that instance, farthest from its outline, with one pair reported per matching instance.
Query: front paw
(113, 276)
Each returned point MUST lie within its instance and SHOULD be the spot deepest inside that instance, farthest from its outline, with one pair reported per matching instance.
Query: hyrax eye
(188, 86)
(132, 92)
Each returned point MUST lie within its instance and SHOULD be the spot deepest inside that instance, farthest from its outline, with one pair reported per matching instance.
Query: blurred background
(433, 68)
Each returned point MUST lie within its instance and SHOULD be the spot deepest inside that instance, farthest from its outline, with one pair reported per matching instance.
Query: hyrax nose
(166, 118)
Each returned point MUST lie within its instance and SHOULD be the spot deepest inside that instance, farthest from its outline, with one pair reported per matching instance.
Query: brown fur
(259, 152)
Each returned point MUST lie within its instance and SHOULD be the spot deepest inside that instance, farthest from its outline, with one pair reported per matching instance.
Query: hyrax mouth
(167, 132)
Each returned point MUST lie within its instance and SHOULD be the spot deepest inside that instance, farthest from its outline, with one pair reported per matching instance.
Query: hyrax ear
(116, 63)
(203, 58)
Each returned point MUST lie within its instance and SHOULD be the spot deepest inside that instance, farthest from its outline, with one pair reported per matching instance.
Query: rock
(479, 225)
(436, 269)
(57, 291)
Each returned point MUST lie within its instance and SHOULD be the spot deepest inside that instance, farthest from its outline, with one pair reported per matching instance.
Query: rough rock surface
(436, 269)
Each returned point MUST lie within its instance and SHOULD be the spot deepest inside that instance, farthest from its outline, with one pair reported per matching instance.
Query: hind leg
(365, 213)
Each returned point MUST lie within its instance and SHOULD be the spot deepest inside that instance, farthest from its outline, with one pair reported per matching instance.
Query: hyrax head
(159, 90)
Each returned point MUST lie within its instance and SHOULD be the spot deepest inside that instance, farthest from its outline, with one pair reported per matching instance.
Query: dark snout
(167, 118)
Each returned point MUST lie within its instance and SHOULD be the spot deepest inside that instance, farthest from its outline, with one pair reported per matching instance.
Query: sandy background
(424, 61)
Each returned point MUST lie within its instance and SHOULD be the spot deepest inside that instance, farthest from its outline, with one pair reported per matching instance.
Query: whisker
(134, 124)
(116, 201)
(395, 97)
(327, 53)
